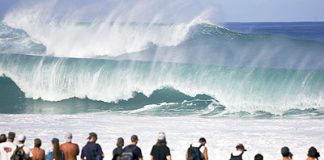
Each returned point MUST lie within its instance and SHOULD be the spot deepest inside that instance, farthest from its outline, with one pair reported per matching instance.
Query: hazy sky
(222, 10)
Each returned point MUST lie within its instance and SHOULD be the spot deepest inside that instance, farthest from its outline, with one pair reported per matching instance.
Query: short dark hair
(37, 142)
(202, 140)
(134, 138)
(11, 135)
(3, 138)
(258, 157)
(120, 142)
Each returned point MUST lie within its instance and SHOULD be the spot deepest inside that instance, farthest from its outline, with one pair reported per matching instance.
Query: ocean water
(261, 84)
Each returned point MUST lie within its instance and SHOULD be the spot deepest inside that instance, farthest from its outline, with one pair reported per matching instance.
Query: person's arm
(100, 151)
(43, 154)
(152, 152)
(187, 155)
(82, 154)
(140, 156)
(77, 149)
(168, 156)
(205, 154)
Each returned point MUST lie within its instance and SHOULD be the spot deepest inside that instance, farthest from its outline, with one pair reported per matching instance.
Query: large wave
(116, 61)
(124, 33)
(239, 89)
(198, 43)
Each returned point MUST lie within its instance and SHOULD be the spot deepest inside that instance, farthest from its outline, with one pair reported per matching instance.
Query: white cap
(21, 137)
(161, 136)
(68, 136)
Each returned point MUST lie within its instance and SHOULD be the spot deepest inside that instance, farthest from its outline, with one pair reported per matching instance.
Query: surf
(123, 83)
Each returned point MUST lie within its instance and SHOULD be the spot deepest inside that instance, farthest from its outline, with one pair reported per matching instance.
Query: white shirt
(6, 150)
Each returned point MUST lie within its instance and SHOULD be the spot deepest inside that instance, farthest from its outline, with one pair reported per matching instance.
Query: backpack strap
(241, 154)
(201, 145)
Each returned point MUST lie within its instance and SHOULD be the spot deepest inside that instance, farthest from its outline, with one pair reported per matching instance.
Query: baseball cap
(161, 136)
(21, 137)
(92, 134)
(68, 136)
(241, 147)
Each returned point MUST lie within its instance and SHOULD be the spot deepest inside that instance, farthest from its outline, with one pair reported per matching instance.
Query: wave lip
(17, 41)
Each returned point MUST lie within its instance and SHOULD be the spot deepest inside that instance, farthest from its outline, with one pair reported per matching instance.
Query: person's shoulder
(75, 144)
(138, 148)
(98, 145)
(130, 146)
(87, 145)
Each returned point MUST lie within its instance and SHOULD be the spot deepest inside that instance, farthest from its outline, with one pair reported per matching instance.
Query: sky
(220, 10)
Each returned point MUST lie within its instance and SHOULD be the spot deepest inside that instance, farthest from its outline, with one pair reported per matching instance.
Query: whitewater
(122, 73)
(259, 136)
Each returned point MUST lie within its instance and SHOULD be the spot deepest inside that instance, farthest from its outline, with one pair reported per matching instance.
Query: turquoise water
(211, 71)
(51, 84)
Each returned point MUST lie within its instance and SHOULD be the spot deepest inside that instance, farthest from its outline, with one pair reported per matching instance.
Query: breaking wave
(146, 86)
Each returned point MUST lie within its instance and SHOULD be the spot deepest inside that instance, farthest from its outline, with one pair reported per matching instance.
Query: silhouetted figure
(56, 153)
(37, 153)
(238, 154)
(70, 150)
(132, 151)
(312, 154)
(258, 157)
(117, 152)
(7, 148)
(92, 150)
(286, 154)
(160, 151)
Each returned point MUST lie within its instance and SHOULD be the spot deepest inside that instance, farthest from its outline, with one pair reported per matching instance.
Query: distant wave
(196, 42)
(17, 41)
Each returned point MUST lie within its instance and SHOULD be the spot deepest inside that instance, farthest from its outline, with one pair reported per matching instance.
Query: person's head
(134, 139)
(312, 152)
(120, 142)
(240, 147)
(68, 137)
(258, 157)
(11, 136)
(56, 149)
(37, 142)
(202, 140)
(21, 139)
(55, 142)
(161, 140)
(3, 138)
(285, 152)
(92, 137)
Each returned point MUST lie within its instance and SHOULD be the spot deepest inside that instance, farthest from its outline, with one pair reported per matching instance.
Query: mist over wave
(238, 89)
(119, 28)
(122, 62)
(151, 32)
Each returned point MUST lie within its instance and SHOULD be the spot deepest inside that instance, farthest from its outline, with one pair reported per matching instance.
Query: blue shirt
(92, 151)
(50, 156)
